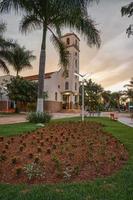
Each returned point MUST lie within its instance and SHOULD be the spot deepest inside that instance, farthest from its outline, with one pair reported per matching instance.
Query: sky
(111, 65)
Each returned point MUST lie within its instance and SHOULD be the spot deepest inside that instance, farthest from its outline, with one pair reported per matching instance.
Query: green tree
(115, 99)
(92, 95)
(128, 11)
(19, 58)
(53, 16)
(21, 90)
(5, 46)
(129, 91)
(106, 98)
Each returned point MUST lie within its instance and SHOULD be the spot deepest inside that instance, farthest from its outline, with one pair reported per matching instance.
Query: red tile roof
(35, 77)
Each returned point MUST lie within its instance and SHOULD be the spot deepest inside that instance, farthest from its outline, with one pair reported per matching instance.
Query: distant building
(63, 91)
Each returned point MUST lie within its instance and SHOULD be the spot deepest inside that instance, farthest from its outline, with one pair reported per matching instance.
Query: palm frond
(29, 23)
(2, 28)
(61, 48)
(7, 5)
(127, 10)
(4, 67)
(6, 43)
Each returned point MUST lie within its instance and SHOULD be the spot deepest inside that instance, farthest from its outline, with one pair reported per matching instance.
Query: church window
(56, 96)
(66, 85)
(68, 41)
(75, 86)
(76, 42)
(76, 63)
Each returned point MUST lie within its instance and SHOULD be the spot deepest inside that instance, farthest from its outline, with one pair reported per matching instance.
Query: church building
(63, 91)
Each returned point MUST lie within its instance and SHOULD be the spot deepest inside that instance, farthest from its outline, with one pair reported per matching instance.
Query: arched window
(66, 85)
(75, 86)
(76, 42)
(68, 41)
(56, 96)
(76, 63)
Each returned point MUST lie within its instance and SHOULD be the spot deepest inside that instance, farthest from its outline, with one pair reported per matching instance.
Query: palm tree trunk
(40, 106)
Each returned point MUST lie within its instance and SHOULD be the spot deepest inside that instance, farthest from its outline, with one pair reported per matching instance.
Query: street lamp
(82, 80)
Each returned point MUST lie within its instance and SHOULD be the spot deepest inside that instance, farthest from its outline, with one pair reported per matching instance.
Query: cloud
(114, 61)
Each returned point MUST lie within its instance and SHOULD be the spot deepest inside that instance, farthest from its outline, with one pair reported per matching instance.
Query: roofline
(35, 77)
(68, 34)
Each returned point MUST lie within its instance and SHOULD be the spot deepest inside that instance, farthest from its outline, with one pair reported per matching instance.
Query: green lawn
(15, 129)
(117, 187)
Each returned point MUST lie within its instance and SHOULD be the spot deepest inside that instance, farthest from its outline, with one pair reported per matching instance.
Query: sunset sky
(111, 65)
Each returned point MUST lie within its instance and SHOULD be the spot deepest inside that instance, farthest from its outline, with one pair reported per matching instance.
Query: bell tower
(70, 85)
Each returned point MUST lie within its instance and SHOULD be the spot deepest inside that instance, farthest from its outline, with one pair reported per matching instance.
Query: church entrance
(66, 101)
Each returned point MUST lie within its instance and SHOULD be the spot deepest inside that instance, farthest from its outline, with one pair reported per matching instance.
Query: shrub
(37, 117)
(58, 164)
(14, 160)
(2, 158)
(34, 170)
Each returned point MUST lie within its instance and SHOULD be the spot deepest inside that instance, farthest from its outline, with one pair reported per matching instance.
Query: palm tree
(19, 58)
(53, 16)
(128, 10)
(5, 46)
(106, 96)
(116, 97)
(130, 85)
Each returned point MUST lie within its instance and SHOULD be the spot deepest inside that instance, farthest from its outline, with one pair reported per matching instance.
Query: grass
(15, 129)
(117, 187)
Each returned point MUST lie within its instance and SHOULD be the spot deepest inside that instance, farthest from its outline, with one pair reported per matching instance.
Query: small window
(76, 42)
(67, 74)
(68, 41)
(59, 86)
(56, 96)
(66, 85)
(76, 54)
(75, 86)
(76, 63)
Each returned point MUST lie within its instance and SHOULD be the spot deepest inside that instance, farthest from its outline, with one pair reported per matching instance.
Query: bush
(37, 117)
(34, 170)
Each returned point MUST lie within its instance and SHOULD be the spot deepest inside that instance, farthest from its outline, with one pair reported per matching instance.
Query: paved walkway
(12, 118)
(18, 118)
(126, 120)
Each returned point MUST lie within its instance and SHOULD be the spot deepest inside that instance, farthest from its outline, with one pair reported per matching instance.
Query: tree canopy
(21, 90)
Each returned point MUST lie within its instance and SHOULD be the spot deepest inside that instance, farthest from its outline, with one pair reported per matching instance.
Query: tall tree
(116, 97)
(5, 46)
(92, 93)
(128, 11)
(19, 58)
(53, 16)
(129, 91)
(106, 97)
